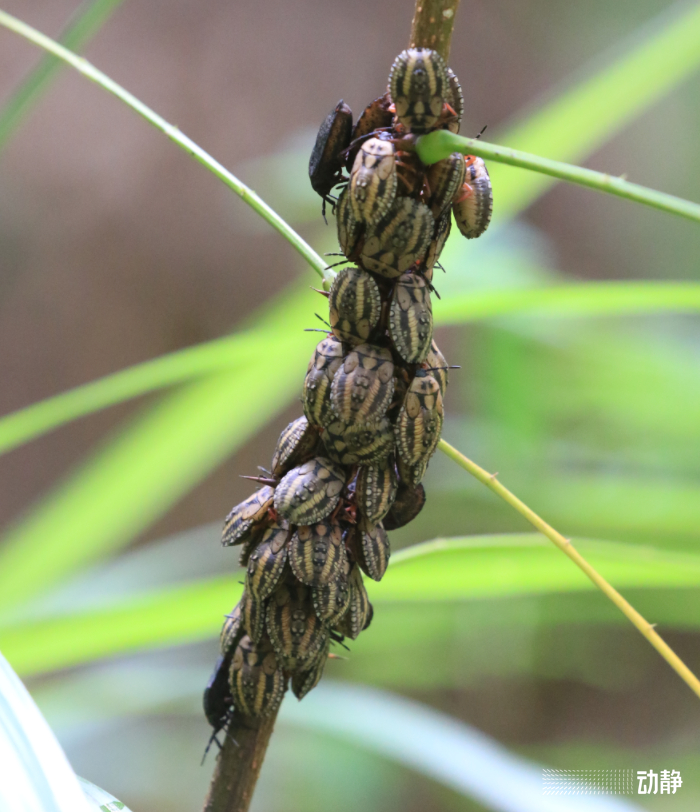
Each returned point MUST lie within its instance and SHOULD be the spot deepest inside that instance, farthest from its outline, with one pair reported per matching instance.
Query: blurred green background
(116, 248)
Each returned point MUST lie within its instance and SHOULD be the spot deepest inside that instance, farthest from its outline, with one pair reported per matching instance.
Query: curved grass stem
(437, 145)
(644, 627)
(174, 134)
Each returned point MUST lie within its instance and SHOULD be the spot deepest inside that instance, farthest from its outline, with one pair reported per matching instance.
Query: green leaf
(586, 115)
(440, 571)
(136, 477)
(85, 23)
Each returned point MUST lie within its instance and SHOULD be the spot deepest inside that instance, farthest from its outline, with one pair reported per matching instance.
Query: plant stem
(437, 145)
(248, 195)
(238, 765)
(646, 628)
(86, 22)
(432, 25)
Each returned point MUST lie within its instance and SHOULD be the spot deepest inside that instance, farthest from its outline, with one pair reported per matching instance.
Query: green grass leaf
(85, 23)
(440, 571)
(137, 476)
(590, 112)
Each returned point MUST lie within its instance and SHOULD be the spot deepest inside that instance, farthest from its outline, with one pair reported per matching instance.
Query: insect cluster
(350, 469)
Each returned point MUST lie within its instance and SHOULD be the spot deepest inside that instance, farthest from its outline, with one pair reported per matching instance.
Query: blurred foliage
(583, 396)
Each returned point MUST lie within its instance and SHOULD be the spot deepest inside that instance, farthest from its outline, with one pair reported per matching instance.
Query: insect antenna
(482, 131)
(320, 318)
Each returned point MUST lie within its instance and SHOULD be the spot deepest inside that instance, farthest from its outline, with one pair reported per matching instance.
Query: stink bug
(362, 388)
(327, 357)
(375, 489)
(231, 632)
(407, 505)
(296, 443)
(217, 700)
(240, 522)
(252, 615)
(359, 613)
(373, 180)
(354, 305)
(411, 318)
(376, 116)
(455, 99)
(373, 548)
(437, 366)
(266, 563)
(304, 681)
(445, 179)
(350, 229)
(400, 239)
(440, 235)
(257, 682)
(418, 86)
(358, 443)
(420, 422)
(309, 493)
(473, 203)
(316, 552)
(326, 164)
(331, 599)
(296, 631)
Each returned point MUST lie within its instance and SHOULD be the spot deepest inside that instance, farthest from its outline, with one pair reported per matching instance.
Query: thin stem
(86, 22)
(238, 765)
(437, 145)
(432, 25)
(244, 192)
(646, 628)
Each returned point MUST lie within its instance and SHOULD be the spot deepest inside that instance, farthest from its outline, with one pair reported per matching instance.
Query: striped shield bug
(440, 235)
(316, 552)
(231, 632)
(354, 305)
(295, 445)
(373, 548)
(419, 423)
(362, 388)
(418, 85)
(296, 631)
(455, 99)
(266, 562)
(375, 489)
(473, 203)
(437, 366)
(399, 240)
(257, 682)
(316, 397)
(350, 229)
(411, 318)
(240, 522)
(445, 179)
(252, 615)
(359, 612)
(331, 599)
(373, 180)
(358, 443)
(407, 505)
(305, 681)
(309, 493)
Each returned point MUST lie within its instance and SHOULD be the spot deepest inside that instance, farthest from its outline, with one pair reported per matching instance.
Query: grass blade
(86, 22)
(443, 570)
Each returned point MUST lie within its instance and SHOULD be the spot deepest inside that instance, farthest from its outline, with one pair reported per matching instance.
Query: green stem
(437, 145)
(646, 628)
(86, 22)
(243, 191)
